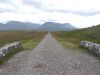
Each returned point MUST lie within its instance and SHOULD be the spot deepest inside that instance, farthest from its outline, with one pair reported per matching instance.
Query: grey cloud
(34, 3)
(38, 5)
(6, 7)
(7, 10)
(89, 13)
(14, 8)
(82, 13)
(4, 1)
(48, 20)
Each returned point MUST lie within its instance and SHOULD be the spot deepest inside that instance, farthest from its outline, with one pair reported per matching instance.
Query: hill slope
(73, 38)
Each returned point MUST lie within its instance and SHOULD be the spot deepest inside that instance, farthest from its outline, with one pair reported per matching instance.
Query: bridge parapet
(9, 47)
(93, 47)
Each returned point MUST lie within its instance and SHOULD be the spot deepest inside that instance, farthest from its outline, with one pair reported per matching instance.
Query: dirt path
(49, 58)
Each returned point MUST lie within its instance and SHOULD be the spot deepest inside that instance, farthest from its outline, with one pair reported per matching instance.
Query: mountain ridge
(47, 26)
(52, 26)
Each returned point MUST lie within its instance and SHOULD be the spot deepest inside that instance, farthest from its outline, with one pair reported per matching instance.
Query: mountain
(16, 25)
(51, 26)
(48, 26)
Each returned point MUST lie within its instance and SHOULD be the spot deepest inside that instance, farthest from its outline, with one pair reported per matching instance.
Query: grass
(30, 44)
(28, 39)
(72, 39)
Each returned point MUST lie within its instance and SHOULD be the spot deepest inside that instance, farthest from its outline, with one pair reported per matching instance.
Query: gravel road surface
(50, 58)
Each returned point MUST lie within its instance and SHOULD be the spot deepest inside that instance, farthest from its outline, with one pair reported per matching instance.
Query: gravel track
(50, 58)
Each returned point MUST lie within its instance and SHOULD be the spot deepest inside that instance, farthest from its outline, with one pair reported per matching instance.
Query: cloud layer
(80, 13)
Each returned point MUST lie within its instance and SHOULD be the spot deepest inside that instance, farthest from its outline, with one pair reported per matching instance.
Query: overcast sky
(80, 13)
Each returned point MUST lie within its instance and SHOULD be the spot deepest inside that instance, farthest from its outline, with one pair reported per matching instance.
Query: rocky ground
(50, 58)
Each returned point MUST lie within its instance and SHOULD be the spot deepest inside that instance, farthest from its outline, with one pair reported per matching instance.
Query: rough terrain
(50, 58)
